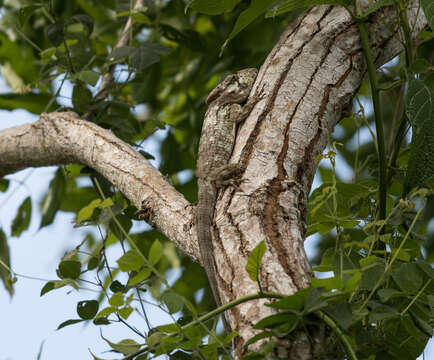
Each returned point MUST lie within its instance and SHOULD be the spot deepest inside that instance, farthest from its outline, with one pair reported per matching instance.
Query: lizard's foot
(228, 175)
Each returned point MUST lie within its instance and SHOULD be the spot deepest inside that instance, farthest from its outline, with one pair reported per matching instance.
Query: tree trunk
(306, 84)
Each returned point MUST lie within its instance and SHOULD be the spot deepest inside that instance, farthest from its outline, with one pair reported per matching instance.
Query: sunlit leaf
(254, 261)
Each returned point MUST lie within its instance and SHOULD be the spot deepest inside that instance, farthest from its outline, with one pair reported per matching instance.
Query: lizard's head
(234, 88)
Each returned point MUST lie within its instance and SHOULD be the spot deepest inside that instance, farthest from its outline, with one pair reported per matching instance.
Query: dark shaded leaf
(5, 258)
(85, 20)
(68, 322)
(276, 320)
(87, 309)
(101, 321)
(428, 9)
(81, 98)
(342, 314)
(212, 7)
(420, 112)
(25, 12)
(69, 269)
(55, 34)
(89, 77)
(21, 221)
(408, 276)
(4, 184)
(173, 301)
(122, 51)
(51, 202)
(35, 103)
(93, 263)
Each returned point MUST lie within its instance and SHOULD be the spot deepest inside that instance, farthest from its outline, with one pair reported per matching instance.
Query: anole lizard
(215, 149)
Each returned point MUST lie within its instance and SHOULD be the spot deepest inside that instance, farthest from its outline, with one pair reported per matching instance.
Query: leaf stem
(339, 333)
(382, 196)
(392, 260)
(415, 298)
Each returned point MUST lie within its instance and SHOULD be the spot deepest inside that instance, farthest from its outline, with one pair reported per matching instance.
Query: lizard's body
(215, 149)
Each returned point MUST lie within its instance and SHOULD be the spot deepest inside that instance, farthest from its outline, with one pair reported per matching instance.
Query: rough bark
(307, 82)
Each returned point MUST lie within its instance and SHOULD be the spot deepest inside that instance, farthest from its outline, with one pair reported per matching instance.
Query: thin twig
(122, 41)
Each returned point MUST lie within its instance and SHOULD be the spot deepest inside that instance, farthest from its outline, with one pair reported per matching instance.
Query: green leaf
(117, 299)
(382, 312)
(353, 281)
(170, 328)
(25, 13)
(51, 202)
(254, 261)
(47, 55)
(420, 112)
(106, 312)
(126, 347)
(290, 5)
(420, 66)
(5, 259)
(371, 276)
(69, 269)
(388, 293)
(101, 321)
(426, 268)
(89, 77)
(423, 325)
(121, 52)
(141, 275)
(69, 322)
(21, 221)
(367, 260)
(260, 336)
(292, 302)
(256, 8)
(93, 263)
(87, 309)
(55, 34)
(141, 18)
(155, 253)
(428, 9)
(173, 301)
(4, 184)
(146, 55)
(130, 261)
(56, 284)
(408, 276)
(313, 299)
(86, 21)
(125, 312)
(334, 282)
(34, 103)
(276, 320)
(213, 7)
(81, 98)
(86, 212)
(342, 315)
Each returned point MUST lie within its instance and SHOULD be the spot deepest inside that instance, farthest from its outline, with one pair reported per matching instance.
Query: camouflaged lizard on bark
(215, 149)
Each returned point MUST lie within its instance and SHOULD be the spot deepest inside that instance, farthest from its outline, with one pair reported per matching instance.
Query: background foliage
(380, 296)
